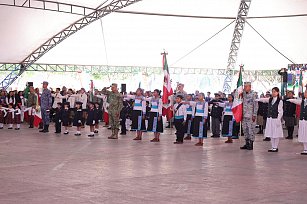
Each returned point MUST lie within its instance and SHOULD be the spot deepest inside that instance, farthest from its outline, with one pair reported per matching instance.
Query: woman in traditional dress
(201, 114)
(273, 125)
(138, 113)
(190, 116)
(229, 122)
(302, 131)
(155, 122)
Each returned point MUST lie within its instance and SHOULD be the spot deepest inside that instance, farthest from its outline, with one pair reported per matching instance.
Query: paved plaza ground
(39, 168)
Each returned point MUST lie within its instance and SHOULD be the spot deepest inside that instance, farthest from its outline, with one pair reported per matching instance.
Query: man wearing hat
(46, 104)
(289, 114)
(250, 108)
(115, 100)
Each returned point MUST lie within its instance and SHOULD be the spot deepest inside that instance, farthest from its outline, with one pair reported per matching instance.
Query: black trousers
(180, 129)
(123, 124)
(57, 126)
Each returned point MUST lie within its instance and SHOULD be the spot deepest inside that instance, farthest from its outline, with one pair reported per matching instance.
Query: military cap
(45, 82)
(59, 103)
(247, 83)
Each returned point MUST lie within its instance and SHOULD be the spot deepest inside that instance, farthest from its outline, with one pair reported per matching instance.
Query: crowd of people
(193, 115)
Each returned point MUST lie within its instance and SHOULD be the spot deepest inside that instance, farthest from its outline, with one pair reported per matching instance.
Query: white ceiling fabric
(133, 40)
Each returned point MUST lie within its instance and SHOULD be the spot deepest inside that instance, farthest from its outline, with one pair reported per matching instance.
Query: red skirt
(17, 119)
(10, 119)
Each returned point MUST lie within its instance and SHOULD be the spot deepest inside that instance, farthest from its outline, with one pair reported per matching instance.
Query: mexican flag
(237, 107)
(37, 118)
(167, 89)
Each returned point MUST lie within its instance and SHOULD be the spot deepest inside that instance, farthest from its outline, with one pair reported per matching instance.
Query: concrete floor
(41, 168)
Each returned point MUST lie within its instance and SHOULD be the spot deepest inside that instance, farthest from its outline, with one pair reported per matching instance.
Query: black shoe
(77, 134)
(10, 128)
(304, 153)
(66, 133)
(91, 135)
(250, 145)
(246, 145)
(109, 128)
(1, 127)
(57, 132)
(273, 150)
(289, 138)
(17, 128)
(267, 139)
(177, 142)
(96, 131)
(122, 133)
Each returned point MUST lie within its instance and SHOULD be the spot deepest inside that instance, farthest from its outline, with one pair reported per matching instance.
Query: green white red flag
(237, 107)
(167, 89)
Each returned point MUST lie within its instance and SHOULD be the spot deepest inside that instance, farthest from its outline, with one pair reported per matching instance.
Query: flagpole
(170, 99)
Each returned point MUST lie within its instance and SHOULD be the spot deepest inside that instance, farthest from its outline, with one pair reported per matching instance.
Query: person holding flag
(167, 92)
(250, 108)
(245, 109)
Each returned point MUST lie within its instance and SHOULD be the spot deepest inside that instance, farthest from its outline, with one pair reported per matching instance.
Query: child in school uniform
(58, 117)
(77, 121)
(10, 116)
(17, 117)
(273, 124)
(91, 118)
(302, 131)
(3, 114)
(65, 117)
(155, 122)
(201, 114)
(138, 113)
(180, 117)
(190, 116)
(98, 116)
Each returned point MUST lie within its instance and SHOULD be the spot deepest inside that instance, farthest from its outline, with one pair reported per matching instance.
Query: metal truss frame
(100, 12)
(105, 70)
(235, 43)
(50, 6)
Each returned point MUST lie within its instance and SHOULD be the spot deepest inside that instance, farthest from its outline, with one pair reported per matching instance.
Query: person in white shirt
(201, 114)
(155, 122)
(58, 98)
(138, 113)
(273, 125)
(82, 97)
(302, 131)
(190, 116)
(180, 117)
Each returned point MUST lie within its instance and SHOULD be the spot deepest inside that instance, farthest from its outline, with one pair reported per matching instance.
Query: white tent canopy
(139, 39)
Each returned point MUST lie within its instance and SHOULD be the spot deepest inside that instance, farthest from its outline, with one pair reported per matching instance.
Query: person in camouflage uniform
(46, 104)
(250, 108)
(115, 100)
(31, 104)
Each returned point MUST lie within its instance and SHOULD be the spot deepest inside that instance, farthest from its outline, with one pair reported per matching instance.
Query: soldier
(46, 104)
(115, 100)
(31, 104)
(250, 108)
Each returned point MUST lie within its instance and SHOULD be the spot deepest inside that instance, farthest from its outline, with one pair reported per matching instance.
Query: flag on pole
(167, 89)
(237, 107)
(37, 118)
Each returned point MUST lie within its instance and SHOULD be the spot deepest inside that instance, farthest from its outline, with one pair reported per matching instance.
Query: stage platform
(37, 168)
